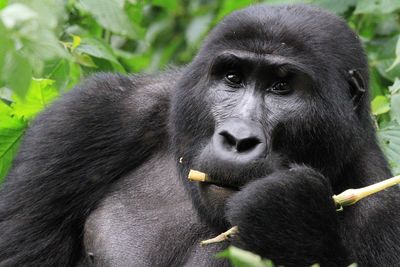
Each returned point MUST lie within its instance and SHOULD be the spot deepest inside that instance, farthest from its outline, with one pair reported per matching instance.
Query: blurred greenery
(242, 258)
(48, 46)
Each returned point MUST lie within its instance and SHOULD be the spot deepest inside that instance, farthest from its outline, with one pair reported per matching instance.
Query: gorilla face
(266, 90)
(248, 95)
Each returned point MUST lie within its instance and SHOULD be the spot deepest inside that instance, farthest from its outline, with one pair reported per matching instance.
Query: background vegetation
(48, 46)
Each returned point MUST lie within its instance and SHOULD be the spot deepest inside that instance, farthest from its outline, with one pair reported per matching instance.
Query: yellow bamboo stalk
(351, 196)
(346, 198)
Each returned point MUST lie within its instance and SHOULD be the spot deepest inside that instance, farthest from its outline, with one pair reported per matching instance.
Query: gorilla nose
(239, 141)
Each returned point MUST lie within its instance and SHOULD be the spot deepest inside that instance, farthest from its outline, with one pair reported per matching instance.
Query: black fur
(97, 180)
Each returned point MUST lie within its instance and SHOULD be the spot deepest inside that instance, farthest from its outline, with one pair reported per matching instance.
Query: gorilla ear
(357, 87)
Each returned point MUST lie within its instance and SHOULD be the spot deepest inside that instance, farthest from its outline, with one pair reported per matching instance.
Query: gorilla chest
(148, 220)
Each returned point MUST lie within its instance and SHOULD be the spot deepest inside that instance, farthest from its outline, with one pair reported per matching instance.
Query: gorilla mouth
(219, 187)
(227, 186)
(215, 195)
(215, 185)
(231, 176)
(204, 178)
(225, 173)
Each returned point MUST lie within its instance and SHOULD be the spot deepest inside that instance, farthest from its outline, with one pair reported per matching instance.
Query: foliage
(242, 258)
(48, 46)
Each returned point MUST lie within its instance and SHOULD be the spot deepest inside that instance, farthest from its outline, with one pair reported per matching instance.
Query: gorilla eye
(233, 79)
(281, 88)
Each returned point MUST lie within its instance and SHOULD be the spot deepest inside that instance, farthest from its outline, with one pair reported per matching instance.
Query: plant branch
(346, 198)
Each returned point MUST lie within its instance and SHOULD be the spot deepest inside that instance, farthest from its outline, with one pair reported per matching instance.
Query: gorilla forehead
(303, 32)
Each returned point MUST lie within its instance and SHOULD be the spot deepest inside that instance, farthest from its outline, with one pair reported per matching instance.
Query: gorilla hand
(286, 216)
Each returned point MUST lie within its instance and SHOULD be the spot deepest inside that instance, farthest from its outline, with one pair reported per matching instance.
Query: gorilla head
(270, 87)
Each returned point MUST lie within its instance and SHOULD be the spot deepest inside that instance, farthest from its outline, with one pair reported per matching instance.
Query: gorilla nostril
(247, 144)
(239, 141)
(228, 140)
(239, 145)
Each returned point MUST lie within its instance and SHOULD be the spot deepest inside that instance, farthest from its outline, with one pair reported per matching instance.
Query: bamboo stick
(197, 176)
(351, 196)
(346, 198)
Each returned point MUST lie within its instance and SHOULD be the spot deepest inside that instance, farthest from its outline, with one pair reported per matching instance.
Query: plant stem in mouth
(346, 198)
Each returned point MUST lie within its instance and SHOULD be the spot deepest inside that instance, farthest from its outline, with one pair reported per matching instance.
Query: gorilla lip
(198, 176)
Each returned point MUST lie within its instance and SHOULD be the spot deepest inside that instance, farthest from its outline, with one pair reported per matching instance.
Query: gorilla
(274, 108)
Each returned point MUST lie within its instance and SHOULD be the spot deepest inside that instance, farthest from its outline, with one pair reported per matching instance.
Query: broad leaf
(99, 49)
(390, 141)
(395, 100)
(111, 16)
(395, 107)
(397, 60)
(374, 6)
(11, 132)
(17, 72)
(40, 94)
(395, 88)
(170, 5)
(380, 105)
(229, 6)
(337, 6)
(243, 258)
(197, 28)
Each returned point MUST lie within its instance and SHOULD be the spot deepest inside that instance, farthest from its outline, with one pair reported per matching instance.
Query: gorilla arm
(71, 153)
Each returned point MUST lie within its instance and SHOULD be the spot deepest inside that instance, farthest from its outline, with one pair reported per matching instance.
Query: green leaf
(337, 6)
(111, 16)
(395, 88)
(243, 258)
(40, 94)
(377, 87)
(84, 60)
(380, 105)
(170, 5)
(5, 45)
(6, 95)
(395, 107)
(382, 54)
(31, 26)
(17, 73)
(395, 100)
(197, 28)
(17, 14)
(58, 70)
(11, 132)
(376, 6)
(76, 41)
(4, 108)
(99, 49)
(229, 6)
(389, 137)
(397, 60)
(3, 3)
(390, 74)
